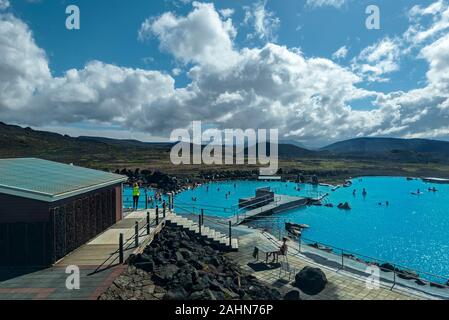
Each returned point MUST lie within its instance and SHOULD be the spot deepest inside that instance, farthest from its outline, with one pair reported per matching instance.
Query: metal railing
(202, 217)
(342, 259)
(236, 210)
(131, 242)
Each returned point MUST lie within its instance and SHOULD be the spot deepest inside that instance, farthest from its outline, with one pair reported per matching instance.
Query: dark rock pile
(179, 266)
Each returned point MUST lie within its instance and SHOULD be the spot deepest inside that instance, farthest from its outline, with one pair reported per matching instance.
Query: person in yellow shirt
(136, 195)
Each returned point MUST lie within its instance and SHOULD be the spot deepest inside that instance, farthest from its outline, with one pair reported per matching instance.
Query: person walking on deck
(136, 195)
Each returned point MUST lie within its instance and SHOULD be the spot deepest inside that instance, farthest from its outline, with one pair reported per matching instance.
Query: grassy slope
(101, 154)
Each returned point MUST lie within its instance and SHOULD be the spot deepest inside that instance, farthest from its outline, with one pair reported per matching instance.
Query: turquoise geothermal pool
(412, 231)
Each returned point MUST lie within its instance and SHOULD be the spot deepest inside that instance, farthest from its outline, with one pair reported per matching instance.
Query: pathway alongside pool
(341, 285)
(97, 261)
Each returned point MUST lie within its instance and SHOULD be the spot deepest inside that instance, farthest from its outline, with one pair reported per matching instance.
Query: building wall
(38, 233)
(16, 209)
(25, 231)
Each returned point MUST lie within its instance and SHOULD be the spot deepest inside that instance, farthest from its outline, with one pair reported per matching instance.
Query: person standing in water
(136, 195)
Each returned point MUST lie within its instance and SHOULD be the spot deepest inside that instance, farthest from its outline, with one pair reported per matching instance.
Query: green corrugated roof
(50, 181)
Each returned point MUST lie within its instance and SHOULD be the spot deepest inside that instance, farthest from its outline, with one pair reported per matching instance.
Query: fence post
(120, 248)
(136, 235)
(148, 223)
(157, 215)
(202, 216)
(342, 258)
(146, 198)
(199, 223)
(394, 275)
(230, 234)
(170, 201)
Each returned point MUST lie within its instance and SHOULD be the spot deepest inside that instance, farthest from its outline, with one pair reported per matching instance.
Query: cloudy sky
(309, 68)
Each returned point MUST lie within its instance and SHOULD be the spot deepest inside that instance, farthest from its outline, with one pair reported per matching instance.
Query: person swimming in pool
(364, 193)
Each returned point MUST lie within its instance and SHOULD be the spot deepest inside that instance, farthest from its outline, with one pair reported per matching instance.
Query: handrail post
(342, 258)
(394, 275)
(120, 248)
(164, 205)
(230, 234)
(148, 223)
(199, 223)
(136, 235)
(146, 198)
(202, 216)
(157, 215)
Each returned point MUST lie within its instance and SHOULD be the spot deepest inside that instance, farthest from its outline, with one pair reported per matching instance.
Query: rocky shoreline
(179, 266)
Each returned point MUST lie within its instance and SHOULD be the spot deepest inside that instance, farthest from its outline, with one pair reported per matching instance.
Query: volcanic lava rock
(387, 267)
(292, 295)
(310, 280)
(178, 266)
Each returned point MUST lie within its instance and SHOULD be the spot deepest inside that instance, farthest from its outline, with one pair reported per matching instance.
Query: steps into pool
(217, 239)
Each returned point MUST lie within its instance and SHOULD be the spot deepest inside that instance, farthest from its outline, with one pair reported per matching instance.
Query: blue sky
(292, 31)
(109, 32)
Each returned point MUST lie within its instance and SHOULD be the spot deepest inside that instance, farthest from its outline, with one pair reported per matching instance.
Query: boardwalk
(341, 285)
(104, 247)
(97, 261)
(282, 203)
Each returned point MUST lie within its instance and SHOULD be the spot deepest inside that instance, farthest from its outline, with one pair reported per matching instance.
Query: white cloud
(378, 60)
(341, 53)
(264, 21)
(326, 3)
(23, 66)
(420, 31)
(176, 71)
(226, 13)
(200, 37)
(268, 87)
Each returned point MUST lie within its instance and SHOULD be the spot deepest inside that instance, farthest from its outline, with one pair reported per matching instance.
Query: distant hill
(127, 142)
(417, 149)
(382, 145)
(16, 141)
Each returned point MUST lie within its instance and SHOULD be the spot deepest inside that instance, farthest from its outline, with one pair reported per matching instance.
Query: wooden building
(48, 209)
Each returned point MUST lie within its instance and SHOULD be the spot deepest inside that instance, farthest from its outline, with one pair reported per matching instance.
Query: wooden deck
(98, 262)
(103, 249)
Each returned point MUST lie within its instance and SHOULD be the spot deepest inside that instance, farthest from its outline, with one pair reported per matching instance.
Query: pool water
(213, 197)
(128, 197)
(412, 231)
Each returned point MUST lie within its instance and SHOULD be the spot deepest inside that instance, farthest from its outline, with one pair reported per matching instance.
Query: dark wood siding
(79, 219)
(36, 233)
(16, 209)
